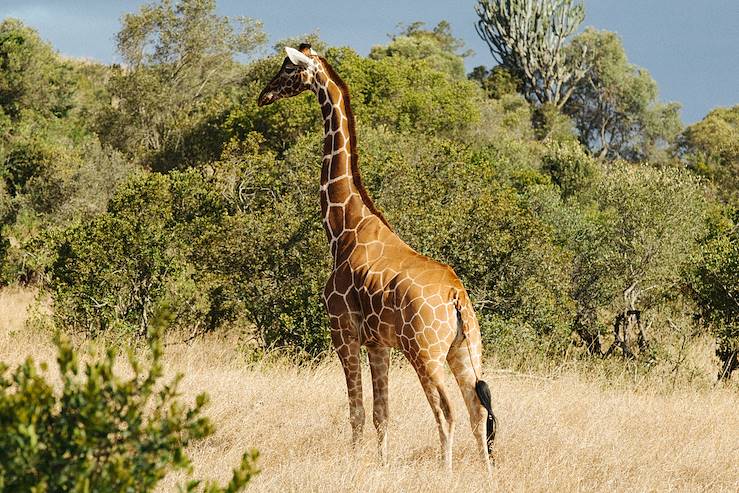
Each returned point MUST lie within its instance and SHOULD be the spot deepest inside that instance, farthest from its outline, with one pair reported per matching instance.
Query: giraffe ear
(297, 58)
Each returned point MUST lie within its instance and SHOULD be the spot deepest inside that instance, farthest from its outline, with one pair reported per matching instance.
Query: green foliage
(615, 106)
(239, 245)
(715, 284)
(271, 252)
(570, 168)
(437, 46)
(53, 183)
(711, 148)
(406, 95)
(52, 169)
(110, 272)
(497, 82)
(401, 93)
(31, 74)
(551, 124)
(99, 431)
(179, 57)
(633, 233)
(656, 218)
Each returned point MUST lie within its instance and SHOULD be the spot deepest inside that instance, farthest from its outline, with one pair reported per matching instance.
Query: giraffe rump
(483, 393)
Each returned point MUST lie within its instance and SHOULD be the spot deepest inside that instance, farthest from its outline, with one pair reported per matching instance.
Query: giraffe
(381, 293)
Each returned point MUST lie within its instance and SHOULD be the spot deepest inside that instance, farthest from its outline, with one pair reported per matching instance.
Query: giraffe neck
(343, 196)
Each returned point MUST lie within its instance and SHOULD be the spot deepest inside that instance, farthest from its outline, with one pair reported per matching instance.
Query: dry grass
(569, 433)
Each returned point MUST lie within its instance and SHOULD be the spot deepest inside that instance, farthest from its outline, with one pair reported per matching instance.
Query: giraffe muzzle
(267, 97)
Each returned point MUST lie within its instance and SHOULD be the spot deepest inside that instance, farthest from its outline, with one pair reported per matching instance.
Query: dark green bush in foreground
(100, 432)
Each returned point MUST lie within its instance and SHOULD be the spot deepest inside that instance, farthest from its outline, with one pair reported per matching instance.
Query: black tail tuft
(483, 393)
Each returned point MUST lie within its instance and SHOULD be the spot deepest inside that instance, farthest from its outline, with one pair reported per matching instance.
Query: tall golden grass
(569, 432)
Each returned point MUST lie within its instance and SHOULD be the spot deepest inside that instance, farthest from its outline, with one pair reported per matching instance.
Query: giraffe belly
(402, 306)
(395, 296)
(379, 318)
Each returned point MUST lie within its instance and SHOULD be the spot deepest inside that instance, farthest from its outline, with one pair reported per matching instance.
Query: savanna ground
(569, 430)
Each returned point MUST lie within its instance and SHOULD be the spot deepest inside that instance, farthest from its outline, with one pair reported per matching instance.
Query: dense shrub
(110, 272)
(570, 168)
(99, 431)
(271, 251)
(716, 289)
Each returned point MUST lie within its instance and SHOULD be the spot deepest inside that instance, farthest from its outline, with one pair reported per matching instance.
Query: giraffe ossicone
(297, 57)
(381, 293)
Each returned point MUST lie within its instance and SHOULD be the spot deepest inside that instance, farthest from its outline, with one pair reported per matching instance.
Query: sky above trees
(689, 47)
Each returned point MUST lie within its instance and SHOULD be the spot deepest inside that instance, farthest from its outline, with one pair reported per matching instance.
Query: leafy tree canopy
(32, 76)
(437, 46)
(614, 105)
(178, 56)
(711, 148)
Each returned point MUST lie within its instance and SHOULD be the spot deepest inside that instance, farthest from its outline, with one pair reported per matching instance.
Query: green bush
(570, 167)
(270, 253)
(110, 273)
(99, 432)
(715, 286)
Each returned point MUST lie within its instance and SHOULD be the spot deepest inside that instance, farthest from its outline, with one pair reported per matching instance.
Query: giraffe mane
(356, 176)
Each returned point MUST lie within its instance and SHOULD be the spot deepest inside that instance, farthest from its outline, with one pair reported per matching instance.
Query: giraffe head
(297, 73)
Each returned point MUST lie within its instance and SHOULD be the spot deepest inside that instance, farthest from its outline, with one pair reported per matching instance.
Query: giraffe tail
(483, 393)
(466, 320)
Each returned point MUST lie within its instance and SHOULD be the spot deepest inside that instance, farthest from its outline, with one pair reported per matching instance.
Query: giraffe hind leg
(431, 375)
(379, 360)
(461, 363)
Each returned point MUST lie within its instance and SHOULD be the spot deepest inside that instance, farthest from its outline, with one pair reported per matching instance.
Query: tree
(653, 219)
(178, 58)
(437, 46)
(111, 272)
(571, 168)
(711, 148)
(403, 94)
(633, 231)
(614, 105)
(32, 77)
(496, 82)
(528, 37)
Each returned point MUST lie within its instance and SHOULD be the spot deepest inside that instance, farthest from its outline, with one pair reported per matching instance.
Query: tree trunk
(628, 333)
(730, 362)
(584, 322)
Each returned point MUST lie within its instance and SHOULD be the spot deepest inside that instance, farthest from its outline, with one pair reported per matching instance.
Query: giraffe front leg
(379, 359)
(347, 348)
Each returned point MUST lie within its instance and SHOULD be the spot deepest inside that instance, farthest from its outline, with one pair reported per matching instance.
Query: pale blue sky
(690, 47)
